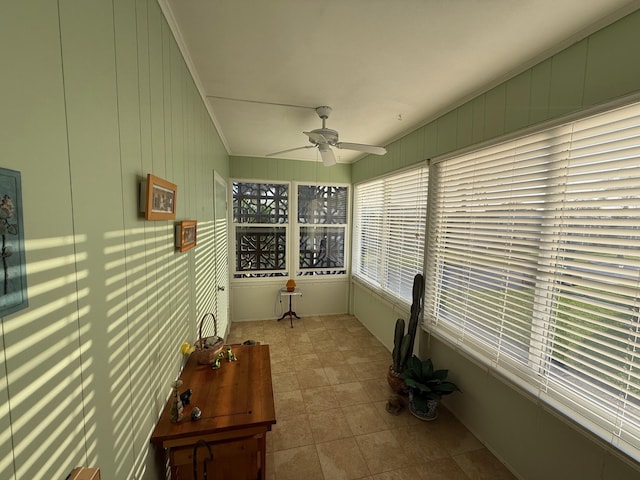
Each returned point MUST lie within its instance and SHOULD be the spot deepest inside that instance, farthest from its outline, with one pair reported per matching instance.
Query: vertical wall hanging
(13, 280)
(186, 232)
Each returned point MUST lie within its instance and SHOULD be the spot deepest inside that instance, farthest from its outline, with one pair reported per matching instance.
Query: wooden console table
(237, 411)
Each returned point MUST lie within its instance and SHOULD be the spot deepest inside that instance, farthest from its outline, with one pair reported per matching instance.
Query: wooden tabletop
(238, 395)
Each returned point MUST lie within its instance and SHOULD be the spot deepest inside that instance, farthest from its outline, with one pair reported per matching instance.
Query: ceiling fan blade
(375, 150)
(289, 150)
(316, 137)
(328, 158)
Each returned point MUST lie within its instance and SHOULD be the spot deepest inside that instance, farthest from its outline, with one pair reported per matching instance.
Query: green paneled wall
(598, 69)
(95, 94)
(287, 170)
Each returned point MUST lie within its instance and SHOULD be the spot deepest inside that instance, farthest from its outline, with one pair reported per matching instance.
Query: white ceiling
(386, 67)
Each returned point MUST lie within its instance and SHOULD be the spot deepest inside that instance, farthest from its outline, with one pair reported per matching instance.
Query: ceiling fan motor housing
(331, 136)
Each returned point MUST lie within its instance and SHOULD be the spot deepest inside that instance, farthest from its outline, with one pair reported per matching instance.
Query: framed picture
(186, 235)
(158, 197)
(13, 279)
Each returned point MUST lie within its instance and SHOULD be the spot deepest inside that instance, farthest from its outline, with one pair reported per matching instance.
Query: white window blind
(390, 215)
(534, 266)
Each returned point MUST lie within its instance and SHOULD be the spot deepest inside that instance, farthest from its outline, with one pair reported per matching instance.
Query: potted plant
(403, 343)
(426, 387)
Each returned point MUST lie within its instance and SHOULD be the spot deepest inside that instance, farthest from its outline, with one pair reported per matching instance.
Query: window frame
(292, 235)
(239, 275)
(320, 272)
(536, 376)
(377, 273)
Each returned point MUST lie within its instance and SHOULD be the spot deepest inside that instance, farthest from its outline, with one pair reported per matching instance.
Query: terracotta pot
(396, 382)
(291, 285)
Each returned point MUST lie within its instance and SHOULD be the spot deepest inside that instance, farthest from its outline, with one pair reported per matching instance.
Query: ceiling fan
(324, 138)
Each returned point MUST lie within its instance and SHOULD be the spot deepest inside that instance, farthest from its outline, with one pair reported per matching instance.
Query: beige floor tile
(304, 361)
(357, 330)
(340, 374)
(269, 441)
(280, 359)
(370, 370)
(328, 425)
(234, 339)
(358, 356)
(284, 382)
(377, 389)
(453, 435)
(383, 453)
(443, 469)
(342, 460)
(270, 472)
(421, 441)
(350, 394)
(313, 324)
(482, 465)
(407, 473)
(297, 347)
(331, 359)
(298, 463)
(314, 436)
(364, 418)
(340, 335)
(311, 378)
(404, 419)
(364, 342)
(319, 398)
(333, 322)
(297, 335)
(289, 403)
(291, 432)
(276, 340)
(324, 345)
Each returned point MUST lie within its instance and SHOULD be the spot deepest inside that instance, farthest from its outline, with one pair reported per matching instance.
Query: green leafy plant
(426, 382)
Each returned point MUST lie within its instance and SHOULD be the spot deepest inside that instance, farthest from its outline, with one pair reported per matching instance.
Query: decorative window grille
(322, 221)
(389, 227)
(260, 218)
(533, 267)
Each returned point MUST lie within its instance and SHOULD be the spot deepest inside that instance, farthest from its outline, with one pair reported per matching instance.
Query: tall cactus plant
(403, 342)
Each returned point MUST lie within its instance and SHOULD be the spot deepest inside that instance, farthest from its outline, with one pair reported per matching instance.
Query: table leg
(291, 313)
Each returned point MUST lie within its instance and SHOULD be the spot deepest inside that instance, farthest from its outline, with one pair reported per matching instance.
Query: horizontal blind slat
(532, 265)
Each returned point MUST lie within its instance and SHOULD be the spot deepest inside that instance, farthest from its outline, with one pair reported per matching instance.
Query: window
(260, 219)
(322, 221)
(534, 266)
(389, 226)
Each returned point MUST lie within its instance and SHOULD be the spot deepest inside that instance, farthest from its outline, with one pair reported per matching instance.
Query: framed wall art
(186, 235)
(13, 276)
(158, 198)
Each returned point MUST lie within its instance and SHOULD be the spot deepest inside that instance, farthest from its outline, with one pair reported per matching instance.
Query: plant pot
(396, 382)
(422, 408)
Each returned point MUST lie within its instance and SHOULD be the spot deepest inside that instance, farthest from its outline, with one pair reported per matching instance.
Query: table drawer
(232, 460)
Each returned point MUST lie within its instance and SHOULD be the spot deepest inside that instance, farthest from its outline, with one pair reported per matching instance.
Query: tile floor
(330, 391)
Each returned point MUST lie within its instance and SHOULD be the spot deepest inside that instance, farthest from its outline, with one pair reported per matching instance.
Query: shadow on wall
(86, 369)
